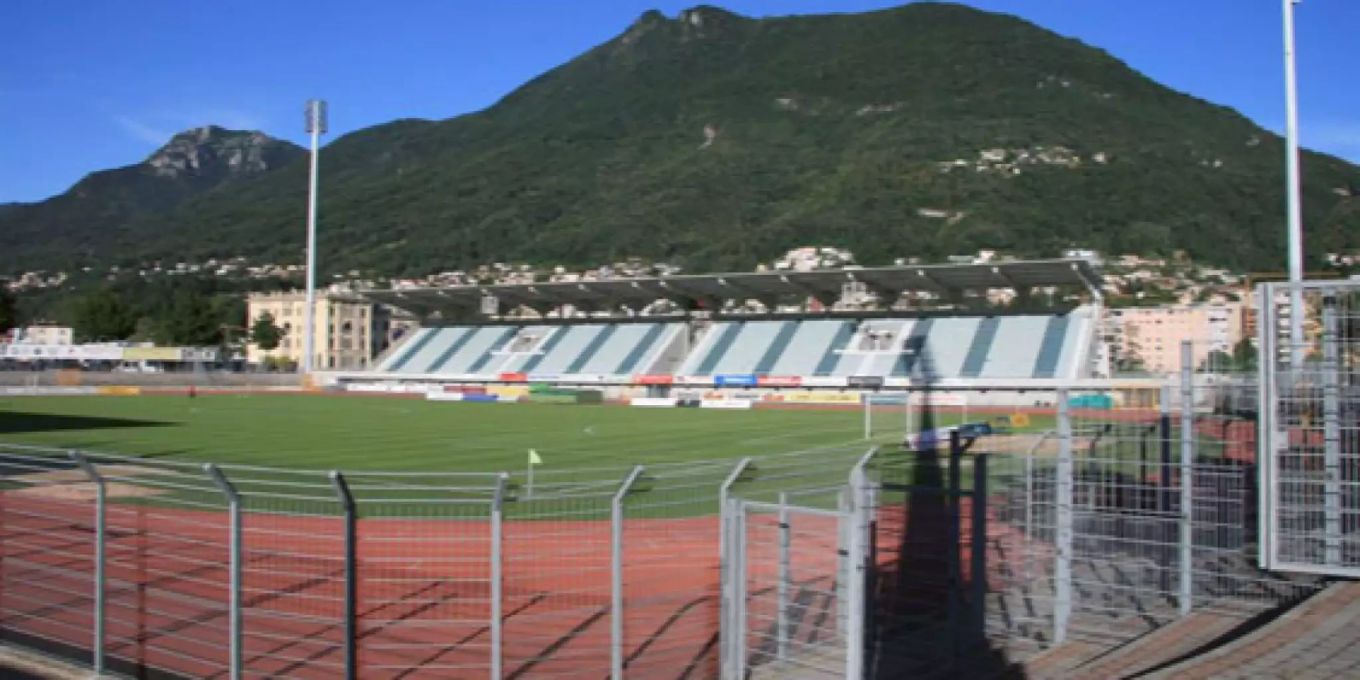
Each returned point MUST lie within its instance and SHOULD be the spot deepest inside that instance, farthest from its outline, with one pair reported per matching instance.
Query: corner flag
(534, 458)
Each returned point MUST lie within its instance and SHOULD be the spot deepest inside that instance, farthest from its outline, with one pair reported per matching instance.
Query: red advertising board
(779, 381)
(654, 379)
(514, 377)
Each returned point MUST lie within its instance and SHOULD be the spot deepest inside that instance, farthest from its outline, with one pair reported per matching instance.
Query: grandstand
(1021, 346)
(568, 350)
(483, 334)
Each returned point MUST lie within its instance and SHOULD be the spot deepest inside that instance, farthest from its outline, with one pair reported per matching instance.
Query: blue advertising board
(734, 380)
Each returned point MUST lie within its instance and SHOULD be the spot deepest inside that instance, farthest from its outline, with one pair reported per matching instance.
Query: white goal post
(908, 400)
(869, 400)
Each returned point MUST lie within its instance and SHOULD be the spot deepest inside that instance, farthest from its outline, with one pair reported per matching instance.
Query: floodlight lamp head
(316, 116)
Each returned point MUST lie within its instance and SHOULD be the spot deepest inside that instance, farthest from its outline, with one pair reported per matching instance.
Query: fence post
(100, 543)
(782, 582)
(233, 566)
(616, 574)
(1187, 514)
(954, 498)
(351, 549)
(1331, 432)
(497, 575)
(979, 542)
(843, 529)
(738, 512)
(726, 572)
(1268, 435)
(855, 590)
(1029, 501)
(1265, 418)
(1062, 571)
(859, 563)
(1164, 488)
(868, 416)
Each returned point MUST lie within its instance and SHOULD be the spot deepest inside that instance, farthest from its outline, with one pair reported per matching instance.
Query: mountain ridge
(191, 163)
(717, 141)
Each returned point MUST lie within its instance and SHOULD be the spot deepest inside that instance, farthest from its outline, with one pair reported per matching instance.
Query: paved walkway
(1161, 646)
(1317, 639)
(21, 664)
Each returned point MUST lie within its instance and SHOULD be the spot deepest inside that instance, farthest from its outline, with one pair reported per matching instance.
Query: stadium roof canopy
(710, 290)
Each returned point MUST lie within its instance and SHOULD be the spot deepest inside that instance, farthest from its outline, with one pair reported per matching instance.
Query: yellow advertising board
(505, 392)
(151, 354)
(118, 391)
(821, 397)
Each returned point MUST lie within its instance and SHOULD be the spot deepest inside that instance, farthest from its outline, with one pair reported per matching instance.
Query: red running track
(423, 589)
(423, 592)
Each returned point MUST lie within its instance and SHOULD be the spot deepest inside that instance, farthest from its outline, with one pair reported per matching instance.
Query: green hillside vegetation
(91, 222)
(827, 130)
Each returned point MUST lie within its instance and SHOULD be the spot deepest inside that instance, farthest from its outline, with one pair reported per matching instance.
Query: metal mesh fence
(167, 541)
(670, 587)
(47, 530)
(424, 573)
(557, 593)
(795, 607)
(1136, 507)
(1311, 424)
(292, 573)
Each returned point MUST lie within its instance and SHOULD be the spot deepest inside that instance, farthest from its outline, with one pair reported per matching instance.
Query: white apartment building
(44, 334)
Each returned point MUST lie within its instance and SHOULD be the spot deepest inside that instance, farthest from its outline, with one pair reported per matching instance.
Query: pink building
(1152, 336)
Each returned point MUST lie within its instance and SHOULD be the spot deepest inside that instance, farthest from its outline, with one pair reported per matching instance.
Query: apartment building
(1152, 336)
(43, 334)
(350, 331)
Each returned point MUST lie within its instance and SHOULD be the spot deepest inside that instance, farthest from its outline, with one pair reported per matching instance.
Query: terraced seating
(977, 347)
(949, 347)
(540, 349)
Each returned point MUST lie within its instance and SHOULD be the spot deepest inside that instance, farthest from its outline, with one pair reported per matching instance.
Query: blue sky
(93, 85)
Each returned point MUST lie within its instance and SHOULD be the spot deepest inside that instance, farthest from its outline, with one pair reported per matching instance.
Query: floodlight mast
(1291, 105)
(316, 126)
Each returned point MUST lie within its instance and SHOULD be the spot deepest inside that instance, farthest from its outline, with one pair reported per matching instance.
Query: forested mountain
(716, 141)
(93, 222)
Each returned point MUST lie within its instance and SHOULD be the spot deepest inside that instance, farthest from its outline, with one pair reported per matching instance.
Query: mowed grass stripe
(388, 434)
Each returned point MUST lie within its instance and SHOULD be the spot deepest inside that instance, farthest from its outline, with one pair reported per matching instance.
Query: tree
(9, 314)
(265, 333)
(146, 330)
(190, 321)
(1244, 355)
(1217, 361)
(1129, 364)
(102, 316)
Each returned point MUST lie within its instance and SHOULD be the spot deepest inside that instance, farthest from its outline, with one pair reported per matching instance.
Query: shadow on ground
(927, 598)
(19, 422)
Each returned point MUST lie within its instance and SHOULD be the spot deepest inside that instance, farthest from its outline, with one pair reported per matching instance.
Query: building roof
(712, 289)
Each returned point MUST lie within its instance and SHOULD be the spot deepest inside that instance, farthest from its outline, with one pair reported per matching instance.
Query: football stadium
(503, 416)
(698, 492)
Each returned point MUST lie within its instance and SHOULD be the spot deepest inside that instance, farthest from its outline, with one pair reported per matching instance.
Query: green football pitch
(381, 433)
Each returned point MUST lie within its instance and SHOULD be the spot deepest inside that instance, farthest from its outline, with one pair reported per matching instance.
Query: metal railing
(135, 564)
